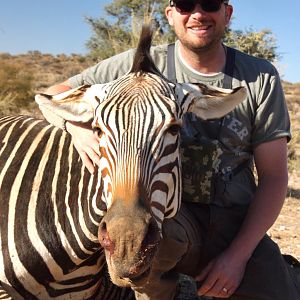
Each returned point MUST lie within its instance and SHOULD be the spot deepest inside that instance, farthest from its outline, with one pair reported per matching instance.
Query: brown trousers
(199, 233)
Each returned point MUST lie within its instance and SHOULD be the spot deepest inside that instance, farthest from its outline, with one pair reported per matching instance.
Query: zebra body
(51, 249)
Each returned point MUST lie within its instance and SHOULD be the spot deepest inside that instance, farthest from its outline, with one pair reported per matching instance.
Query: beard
(200, 44)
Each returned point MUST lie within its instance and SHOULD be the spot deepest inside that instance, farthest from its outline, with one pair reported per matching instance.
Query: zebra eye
(174, 129)
(97, 130)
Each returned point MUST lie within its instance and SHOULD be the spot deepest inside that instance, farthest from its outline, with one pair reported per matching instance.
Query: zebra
(61, 227)
(48, 249)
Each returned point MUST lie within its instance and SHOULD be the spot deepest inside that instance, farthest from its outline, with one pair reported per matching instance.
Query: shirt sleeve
(271, 120)
(105, 71)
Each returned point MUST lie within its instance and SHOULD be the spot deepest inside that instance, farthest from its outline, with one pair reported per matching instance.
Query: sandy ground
(286, 230)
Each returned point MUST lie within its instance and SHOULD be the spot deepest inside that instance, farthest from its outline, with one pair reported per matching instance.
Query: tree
(260, 44)
(120, 31)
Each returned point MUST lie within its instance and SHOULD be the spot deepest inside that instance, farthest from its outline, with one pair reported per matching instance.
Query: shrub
(16, 91)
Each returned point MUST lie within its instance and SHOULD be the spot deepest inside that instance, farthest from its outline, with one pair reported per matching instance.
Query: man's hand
(86, 142)
(222, 276)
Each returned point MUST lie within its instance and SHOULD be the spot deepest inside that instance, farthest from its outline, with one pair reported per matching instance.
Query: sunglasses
(188, 6)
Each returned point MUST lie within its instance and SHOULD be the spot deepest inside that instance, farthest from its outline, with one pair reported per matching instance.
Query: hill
(47, 69)
(33, 72)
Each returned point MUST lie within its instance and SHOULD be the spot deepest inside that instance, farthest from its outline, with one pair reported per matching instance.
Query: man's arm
(85, 141)
(271, 164)
(58, 88)
(228, 269)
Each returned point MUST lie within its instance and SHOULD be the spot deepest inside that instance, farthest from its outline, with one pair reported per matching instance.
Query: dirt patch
(285, 232)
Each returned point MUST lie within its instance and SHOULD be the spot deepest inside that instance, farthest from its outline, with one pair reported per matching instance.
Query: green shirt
(216, 155)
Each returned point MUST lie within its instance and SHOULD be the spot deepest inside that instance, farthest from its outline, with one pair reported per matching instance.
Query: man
(219, 236)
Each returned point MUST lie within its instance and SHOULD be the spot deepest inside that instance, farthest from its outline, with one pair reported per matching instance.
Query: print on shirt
(205, 158)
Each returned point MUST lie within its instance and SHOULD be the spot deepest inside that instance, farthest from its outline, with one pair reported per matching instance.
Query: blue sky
(58, 26)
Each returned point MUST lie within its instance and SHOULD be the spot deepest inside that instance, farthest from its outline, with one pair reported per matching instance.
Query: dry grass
(22, 76)
(47, 69)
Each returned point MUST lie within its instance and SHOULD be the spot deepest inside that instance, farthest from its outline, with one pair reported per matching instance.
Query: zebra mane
(142, 61)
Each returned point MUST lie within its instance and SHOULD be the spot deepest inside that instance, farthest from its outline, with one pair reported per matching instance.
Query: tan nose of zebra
(130, 238)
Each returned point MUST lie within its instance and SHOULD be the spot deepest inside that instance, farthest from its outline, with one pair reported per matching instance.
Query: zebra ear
(210, 102)
(76, 105)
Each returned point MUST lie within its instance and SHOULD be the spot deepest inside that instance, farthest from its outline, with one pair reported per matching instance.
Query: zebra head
(138, 119)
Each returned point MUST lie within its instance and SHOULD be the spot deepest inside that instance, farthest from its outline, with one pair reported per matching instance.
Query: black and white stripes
(135, 142)
(49, 215)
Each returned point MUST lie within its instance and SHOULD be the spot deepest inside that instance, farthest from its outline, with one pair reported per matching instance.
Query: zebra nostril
(103, 226)
(102, 231)
(104, 239)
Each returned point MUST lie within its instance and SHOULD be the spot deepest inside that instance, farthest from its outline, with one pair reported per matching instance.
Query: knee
(175, 231)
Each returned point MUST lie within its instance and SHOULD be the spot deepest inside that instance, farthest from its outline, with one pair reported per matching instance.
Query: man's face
(198, 29)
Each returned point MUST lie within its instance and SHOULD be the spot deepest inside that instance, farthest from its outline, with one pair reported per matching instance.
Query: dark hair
(142, 61)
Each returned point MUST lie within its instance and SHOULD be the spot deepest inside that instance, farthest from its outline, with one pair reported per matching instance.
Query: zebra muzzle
(130, 247)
